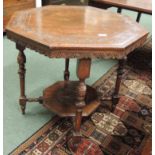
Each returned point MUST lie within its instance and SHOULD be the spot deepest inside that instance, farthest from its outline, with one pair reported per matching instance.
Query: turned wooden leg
(83, 72)
(66, 72)
(79, 106)
(21, 61)
(115, 97)
(76, 139)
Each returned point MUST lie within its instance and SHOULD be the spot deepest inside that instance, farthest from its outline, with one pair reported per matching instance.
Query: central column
(83, 72)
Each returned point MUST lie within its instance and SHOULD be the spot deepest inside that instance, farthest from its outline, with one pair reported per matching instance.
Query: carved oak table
(140, 6)
(73, 32)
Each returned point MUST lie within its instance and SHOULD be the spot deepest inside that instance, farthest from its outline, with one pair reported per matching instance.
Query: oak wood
(86, 33)
(14, 3)
(83, 72)
(11, 6)
(80, 104)
(61, 98)
(56, 31)
(83, 68)
(144, 6)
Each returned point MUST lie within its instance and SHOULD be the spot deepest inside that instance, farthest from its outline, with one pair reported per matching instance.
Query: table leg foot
(74, 142)
(22, 102)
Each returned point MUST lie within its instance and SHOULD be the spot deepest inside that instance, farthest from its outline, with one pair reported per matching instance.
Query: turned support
(120, 71)
(21, 61)
(83, 72)
(39, 99)
(66, 72)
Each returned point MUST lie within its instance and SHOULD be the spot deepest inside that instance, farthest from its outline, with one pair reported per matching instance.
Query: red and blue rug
(126, 131)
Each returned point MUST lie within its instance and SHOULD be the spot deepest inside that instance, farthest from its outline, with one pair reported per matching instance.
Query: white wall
(38, 3)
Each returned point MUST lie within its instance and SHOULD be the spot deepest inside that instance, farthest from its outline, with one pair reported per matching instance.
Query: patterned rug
(126, 131)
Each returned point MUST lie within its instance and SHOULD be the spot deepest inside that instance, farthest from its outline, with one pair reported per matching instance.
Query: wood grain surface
(76, 32)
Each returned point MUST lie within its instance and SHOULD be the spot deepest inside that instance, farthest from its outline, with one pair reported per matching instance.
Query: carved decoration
(66, 39)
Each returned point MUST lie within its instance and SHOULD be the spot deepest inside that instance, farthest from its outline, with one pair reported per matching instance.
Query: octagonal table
(68, 32)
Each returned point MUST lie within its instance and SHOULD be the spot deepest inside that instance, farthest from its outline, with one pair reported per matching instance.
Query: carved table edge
(113, 53)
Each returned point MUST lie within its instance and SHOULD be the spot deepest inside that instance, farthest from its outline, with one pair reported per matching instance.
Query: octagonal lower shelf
(60, 98)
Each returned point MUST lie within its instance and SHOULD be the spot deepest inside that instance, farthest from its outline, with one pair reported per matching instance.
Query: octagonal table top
(76, 32)
(137, 5)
